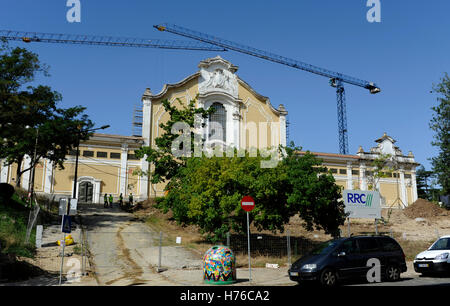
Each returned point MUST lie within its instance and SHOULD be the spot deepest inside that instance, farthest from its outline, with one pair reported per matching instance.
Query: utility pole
(33, 169)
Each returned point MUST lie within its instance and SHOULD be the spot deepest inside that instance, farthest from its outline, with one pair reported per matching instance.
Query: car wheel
(392, 273)
(328, 278)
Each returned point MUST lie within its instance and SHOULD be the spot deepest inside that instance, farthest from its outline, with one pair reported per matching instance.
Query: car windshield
(325, 247)
(441, 244)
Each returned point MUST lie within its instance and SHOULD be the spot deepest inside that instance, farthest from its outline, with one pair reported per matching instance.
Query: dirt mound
(423, 209)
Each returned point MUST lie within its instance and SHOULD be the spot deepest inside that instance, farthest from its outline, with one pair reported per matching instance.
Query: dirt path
(124, 251)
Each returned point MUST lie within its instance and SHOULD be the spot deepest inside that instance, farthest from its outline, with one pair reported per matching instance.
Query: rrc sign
(362, 204)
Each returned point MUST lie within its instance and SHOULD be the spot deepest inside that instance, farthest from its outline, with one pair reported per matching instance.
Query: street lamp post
(74, 196)
(33, 170)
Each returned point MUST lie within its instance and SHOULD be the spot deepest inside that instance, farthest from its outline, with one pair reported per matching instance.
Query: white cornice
(170, 86)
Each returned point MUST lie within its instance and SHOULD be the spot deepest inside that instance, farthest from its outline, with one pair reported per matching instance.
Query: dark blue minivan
(350, 258)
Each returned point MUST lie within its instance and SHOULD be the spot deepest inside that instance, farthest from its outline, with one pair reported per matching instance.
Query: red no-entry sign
(247, 203)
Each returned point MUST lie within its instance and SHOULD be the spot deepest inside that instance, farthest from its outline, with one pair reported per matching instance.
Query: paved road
(412, 281)
(125, 252)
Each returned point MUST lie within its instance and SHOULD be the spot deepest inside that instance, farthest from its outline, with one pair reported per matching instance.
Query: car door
(369, 248)
(349, 261)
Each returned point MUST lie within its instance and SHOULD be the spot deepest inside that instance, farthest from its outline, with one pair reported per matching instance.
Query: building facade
(106, 165)
(243, 119)
(397, 182)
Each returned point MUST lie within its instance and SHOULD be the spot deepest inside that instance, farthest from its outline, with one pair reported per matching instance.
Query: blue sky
(404, 54)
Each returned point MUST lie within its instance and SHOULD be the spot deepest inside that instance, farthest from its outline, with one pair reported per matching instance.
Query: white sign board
(73, 207)
(62, 206)
(362, 204)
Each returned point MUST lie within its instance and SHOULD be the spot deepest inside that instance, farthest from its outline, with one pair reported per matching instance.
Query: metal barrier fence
(285, 247)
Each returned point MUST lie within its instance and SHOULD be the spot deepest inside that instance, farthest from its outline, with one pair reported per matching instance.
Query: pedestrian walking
(121, 200)
(130, 199)
(110, 200)
(105, 203)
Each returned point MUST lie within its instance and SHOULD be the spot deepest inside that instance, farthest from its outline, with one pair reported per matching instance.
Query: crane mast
(337, 79)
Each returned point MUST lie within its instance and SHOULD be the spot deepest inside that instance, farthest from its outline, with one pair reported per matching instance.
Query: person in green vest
(130, 198)
(110, 200)
(105, 203)
(121, 200)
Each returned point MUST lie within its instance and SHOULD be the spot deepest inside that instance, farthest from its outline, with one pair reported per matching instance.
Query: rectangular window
(114, 155)
(355, 172)
(367, 245)
(73, 152)
(407, 176)
(342, 171)
(333, 170)
(88, 153)
(132, 157)
(102, 154)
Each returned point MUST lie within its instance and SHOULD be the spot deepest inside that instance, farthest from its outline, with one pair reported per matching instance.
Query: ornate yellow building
(243, 119)
(397, 185)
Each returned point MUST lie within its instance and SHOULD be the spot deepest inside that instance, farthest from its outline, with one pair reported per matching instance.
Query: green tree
(161, 156)
(30, 119)
(206, 190)
(423, 183)
(314, 194)
(440, 124)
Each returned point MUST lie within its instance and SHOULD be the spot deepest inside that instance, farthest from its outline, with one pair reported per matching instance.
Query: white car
(436, 258)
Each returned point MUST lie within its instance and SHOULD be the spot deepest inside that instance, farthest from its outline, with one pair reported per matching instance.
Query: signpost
(67, 207)
(39, 230)
(362, 204)
(248, 204)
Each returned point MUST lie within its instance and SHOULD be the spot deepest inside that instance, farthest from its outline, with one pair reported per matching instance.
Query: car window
(325, 247)
(389, 245)
(349, 247)
(367, 245)
(441, 244)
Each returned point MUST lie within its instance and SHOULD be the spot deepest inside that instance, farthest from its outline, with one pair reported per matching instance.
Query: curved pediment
(217, 76)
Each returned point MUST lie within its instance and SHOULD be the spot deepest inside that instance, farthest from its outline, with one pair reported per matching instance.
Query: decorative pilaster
(349, 176)
(26, 176)
(123, 169)
(146, 134)
(4, 173)
(48, 179)
(414, 185)
(362, 175)
(236, 125)
(283, 137)
(403, 195)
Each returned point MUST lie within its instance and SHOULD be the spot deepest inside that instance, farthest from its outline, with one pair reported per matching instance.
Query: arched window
(218, 123)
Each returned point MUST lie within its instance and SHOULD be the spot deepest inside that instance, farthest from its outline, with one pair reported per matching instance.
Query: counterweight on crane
(337, 79)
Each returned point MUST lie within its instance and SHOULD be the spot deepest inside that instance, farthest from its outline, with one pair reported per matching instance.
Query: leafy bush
(207, 192)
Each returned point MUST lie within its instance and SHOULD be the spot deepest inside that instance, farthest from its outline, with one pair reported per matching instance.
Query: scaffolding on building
(138, 119)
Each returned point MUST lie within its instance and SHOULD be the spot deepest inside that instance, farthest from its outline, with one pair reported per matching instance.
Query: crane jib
(175, 29)
(29, 37)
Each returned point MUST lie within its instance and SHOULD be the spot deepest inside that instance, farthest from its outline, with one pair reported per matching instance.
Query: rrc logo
(362, 198)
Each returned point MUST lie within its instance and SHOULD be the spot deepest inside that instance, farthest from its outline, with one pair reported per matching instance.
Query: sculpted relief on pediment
(217, 77)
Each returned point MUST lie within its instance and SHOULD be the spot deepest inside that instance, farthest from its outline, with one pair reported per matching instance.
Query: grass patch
(413, 247)
(13, 227)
